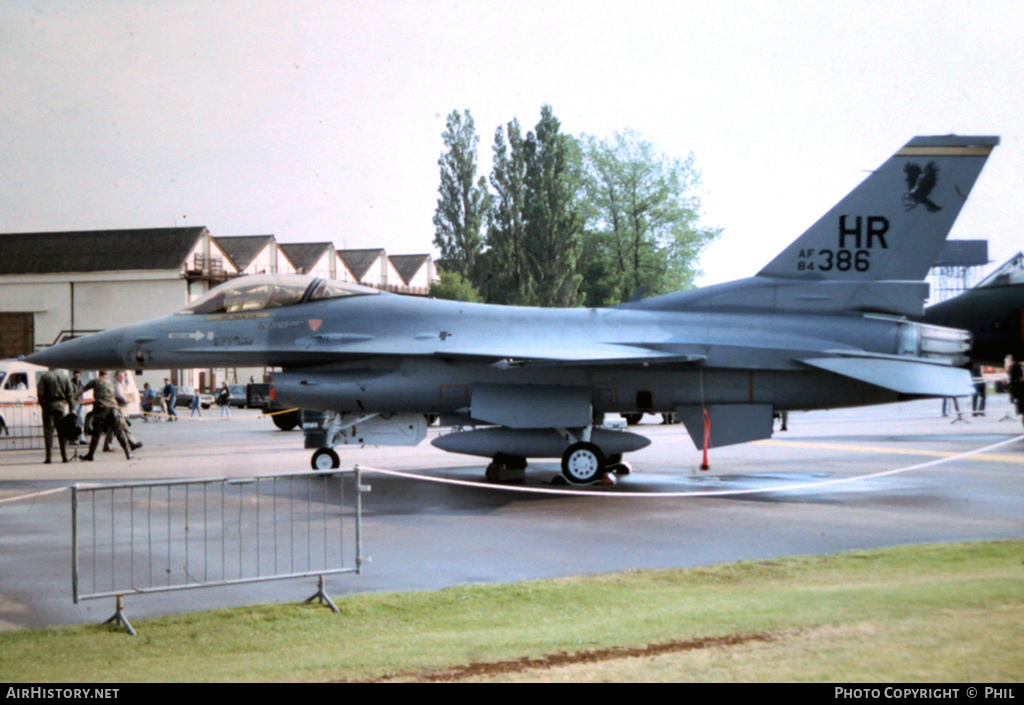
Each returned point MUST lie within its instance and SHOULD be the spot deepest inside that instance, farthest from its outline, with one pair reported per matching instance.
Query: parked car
(237, 398)
(185, 395)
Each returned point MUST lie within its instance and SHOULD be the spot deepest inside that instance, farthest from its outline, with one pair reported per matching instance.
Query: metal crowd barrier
(151, 537)
(21, 426)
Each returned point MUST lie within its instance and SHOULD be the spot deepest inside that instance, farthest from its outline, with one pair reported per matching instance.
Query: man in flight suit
(104, 413)
(54, 392)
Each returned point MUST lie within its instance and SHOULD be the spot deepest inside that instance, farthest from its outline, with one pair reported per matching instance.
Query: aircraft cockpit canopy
(1009, 274)
(259, 292)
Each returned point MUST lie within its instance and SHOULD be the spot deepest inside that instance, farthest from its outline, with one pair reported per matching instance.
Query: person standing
(223, 399)
(1016, 384)
(147, 403)
(54, 392)
(78, 409)
(170, 397)
(122, 393)
(978, 398)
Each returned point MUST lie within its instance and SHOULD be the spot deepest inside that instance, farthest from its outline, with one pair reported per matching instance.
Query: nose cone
(99, 351)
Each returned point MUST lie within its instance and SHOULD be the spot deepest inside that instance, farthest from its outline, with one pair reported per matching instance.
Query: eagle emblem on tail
(920, 183)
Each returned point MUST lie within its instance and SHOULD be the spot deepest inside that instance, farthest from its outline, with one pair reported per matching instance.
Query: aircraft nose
(99, 351)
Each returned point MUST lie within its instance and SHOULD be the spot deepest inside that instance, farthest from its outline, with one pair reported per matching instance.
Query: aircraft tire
(633, 419)
(325, 459)
(286, 421)
(513, 462)
(583, 463)
(620, 468)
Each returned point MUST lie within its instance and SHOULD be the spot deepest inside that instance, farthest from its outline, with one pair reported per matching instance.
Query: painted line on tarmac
(884, 450)
(704, 493)
(33, 495)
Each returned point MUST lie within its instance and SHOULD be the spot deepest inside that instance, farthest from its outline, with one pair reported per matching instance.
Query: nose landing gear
(325, 459)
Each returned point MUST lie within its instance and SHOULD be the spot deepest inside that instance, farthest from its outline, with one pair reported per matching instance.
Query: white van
(19, 384)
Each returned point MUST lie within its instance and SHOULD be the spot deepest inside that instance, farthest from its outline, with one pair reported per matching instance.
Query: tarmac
(834, 481)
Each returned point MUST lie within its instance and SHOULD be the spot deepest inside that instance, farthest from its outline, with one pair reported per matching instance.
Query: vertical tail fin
(893, 225)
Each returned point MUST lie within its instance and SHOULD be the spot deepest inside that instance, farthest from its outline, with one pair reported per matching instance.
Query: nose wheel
(325, 459)
(583, 463)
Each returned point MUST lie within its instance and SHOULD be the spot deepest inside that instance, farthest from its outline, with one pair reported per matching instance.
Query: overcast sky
(322, 120)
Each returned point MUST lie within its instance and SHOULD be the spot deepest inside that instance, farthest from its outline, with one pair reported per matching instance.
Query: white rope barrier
(592, 491)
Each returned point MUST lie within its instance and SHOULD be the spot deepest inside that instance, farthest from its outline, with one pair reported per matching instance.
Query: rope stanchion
(164, 417)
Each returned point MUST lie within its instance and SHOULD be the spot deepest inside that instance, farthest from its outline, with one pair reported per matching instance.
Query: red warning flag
(707, 436)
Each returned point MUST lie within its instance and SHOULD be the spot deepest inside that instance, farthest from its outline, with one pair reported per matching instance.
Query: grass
(935, 613)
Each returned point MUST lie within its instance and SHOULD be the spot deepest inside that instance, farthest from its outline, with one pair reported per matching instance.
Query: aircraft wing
(318, 350)
(489, 349)
(584, 356)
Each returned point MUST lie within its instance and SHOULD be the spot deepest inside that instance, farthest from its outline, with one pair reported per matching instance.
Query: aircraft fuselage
(385, 353)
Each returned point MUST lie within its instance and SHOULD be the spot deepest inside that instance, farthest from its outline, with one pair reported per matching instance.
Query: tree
(643, 217)
(505, 277)
(602, 278)
(553, 224)
(463, 200)
(454, 286)
(569, 221)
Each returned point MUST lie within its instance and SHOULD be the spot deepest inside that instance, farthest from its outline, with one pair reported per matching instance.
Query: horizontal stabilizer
(912, 376)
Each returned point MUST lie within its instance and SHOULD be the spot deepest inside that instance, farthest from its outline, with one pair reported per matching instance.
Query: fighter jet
(824, 325)
(993, 312)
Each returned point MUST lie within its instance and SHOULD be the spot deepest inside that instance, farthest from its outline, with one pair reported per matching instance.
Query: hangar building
(59, 285)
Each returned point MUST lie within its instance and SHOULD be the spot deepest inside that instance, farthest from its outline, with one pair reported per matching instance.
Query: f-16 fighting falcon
(823, 325)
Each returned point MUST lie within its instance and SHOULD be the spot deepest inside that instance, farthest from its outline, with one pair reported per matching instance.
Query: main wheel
(513, 462)
(633, 419)
(583, 463)
(325, 459)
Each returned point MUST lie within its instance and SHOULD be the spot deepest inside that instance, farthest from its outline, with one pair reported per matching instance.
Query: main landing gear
(588, 454)
(506, 468)
(583, 463)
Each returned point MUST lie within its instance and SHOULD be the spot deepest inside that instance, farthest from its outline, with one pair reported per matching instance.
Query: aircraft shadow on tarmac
(405, 496)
